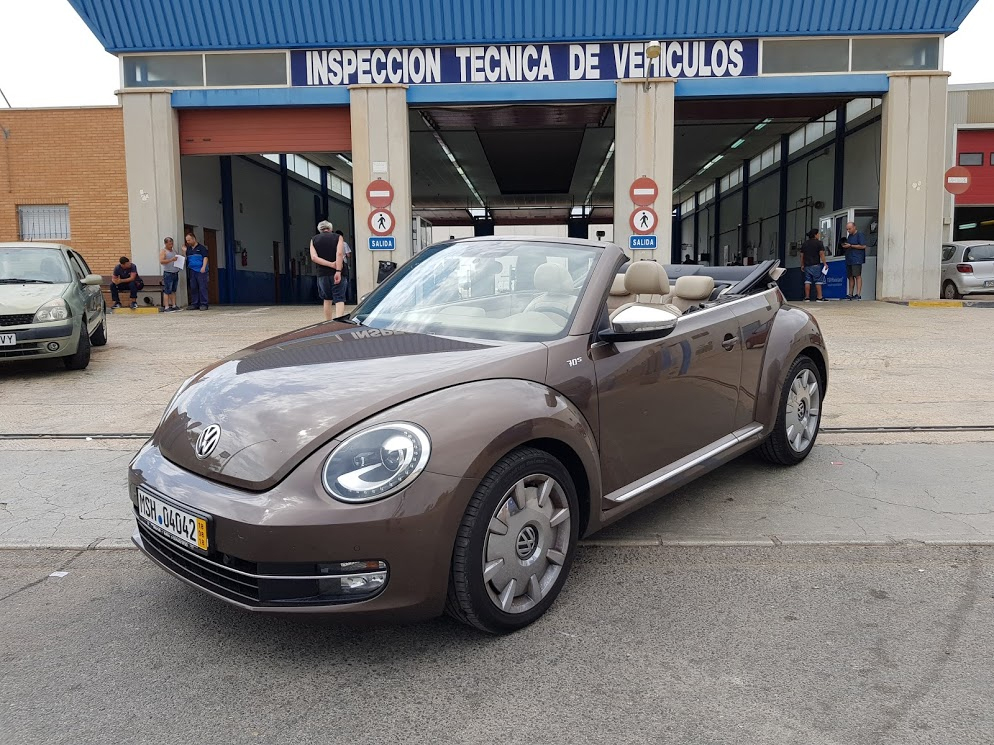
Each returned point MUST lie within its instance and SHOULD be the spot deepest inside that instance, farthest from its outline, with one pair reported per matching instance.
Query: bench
(149, 296)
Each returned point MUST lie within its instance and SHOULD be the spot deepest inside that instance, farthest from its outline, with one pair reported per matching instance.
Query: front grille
(21, 320)
(201, 570)
(247, 582)
(26, 349)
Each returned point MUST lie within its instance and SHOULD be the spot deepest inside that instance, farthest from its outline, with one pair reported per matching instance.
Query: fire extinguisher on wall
(244, 257)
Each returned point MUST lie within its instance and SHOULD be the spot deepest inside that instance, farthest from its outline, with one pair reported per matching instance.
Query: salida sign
(715, 58)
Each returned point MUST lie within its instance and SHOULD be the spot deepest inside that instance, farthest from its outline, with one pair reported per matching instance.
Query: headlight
(376, 462)
(53, 310)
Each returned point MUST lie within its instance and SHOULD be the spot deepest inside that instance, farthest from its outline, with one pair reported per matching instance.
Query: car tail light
(964, 268)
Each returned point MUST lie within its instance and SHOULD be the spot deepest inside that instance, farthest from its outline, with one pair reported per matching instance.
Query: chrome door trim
(684, 464)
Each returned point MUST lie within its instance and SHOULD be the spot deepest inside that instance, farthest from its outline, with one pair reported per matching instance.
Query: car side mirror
(92, 279)
(640, 323)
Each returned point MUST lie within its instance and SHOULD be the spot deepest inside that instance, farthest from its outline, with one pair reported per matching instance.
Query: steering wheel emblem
(207, 441)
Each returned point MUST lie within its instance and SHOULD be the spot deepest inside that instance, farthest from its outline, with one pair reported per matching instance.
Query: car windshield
(32, 266)
(501, 289)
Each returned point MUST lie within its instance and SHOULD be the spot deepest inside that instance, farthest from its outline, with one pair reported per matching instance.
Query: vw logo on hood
(208, 441)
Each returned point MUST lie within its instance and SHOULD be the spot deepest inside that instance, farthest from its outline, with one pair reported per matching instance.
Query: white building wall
(202, 198)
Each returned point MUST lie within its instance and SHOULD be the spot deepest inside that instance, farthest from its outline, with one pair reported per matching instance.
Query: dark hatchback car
(444, 447)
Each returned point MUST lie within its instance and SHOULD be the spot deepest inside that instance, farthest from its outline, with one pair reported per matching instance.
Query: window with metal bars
(44, 222)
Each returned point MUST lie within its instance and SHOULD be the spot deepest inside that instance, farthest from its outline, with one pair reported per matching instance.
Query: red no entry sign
(379, 194)
(958, 180)
(644, 191)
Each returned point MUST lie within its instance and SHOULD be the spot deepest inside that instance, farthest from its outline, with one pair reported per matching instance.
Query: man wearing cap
(328, 254)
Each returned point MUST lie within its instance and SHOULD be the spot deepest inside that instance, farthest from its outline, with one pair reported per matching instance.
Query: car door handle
(730, 342)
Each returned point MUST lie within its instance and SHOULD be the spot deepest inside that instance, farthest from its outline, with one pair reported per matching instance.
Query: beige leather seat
(619, 294)
(647, 284)
(558, 294)
(689, 292)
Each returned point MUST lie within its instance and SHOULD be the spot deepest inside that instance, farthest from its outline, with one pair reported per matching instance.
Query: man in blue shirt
(197, 262)
(854, 245)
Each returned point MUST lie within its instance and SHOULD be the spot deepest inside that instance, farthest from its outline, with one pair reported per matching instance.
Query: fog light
(53, 346)
(353, 579)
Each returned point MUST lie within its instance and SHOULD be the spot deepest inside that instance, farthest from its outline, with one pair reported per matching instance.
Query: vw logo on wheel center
(525, 544)
(208, 441)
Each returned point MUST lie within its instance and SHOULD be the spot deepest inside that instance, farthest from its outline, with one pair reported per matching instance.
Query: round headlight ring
(365, 454)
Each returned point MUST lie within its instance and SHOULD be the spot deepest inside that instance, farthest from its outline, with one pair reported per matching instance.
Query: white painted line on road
(59, 574)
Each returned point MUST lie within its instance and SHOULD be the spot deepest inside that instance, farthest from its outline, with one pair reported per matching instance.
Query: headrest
(694, 288)
(553, 278)
(647, 278)
(618, 286)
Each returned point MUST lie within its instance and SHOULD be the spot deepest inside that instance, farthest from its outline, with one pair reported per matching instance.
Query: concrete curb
(943, 303)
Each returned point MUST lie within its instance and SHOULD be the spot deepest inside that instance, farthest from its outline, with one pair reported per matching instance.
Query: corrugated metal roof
(172, 25)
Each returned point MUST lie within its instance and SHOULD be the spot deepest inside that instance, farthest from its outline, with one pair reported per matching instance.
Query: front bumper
(33, 341)
(265, 549)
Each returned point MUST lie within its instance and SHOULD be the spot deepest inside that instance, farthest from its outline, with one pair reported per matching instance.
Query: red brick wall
(74, 157)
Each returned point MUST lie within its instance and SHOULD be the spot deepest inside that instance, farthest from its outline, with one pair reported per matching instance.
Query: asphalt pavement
(807, 645)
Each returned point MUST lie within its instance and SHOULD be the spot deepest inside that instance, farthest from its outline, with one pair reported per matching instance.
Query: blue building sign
(645, 242)
(382, 244)
(520, 63)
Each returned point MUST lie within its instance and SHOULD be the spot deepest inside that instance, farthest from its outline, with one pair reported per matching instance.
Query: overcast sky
(48, 57)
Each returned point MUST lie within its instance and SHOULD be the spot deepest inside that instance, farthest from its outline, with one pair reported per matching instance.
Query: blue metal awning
(176, 25)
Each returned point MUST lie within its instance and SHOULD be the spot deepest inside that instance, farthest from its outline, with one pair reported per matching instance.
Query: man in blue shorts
(854, 245)
(813, 265)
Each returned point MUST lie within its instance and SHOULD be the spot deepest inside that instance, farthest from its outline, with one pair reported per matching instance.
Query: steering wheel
(551, 309)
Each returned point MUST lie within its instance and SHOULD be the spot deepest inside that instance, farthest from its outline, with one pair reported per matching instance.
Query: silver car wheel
(803, 411)
(527, 542)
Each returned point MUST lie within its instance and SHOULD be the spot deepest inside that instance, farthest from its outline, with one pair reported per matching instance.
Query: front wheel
(515, 544)
(81, 358)
(799, 416)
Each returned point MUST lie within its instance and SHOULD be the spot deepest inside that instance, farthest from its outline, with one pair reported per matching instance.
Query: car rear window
(979, 253)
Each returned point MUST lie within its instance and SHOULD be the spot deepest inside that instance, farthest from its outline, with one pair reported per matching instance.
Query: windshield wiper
(18, 281)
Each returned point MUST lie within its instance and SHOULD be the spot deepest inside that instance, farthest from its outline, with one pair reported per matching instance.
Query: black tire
(81, 358)
(949, 291)
(776, 448)
(468, 598)
(99, 338)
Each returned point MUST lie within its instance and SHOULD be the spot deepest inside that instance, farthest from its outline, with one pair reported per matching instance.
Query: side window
(82, 261)
(76, 266)
(947, 252)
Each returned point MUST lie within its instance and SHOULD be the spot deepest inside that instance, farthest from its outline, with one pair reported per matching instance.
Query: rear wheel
(515, 545)
(949, 291)
(99, 337)
(799, 416)
(81, 358)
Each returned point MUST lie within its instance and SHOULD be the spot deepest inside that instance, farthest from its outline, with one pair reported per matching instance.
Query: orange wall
(74, 157)
(283, 130)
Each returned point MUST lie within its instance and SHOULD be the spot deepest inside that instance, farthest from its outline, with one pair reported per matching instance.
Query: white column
(643, 146)
(380, 150)
(155, 187)
(913, 162)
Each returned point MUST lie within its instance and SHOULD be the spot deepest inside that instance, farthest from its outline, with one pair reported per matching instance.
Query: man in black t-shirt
(125, 278)
(328, 254)
(813, 265)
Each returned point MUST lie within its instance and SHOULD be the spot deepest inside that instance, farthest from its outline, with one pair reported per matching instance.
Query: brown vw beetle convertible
(445, 446)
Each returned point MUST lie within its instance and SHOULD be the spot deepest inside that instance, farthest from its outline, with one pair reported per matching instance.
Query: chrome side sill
(684, 464)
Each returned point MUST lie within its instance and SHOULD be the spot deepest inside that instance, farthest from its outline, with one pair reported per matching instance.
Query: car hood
(22, 299)
(279, 401)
